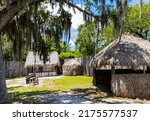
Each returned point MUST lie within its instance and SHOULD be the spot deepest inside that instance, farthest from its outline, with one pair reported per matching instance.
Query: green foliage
(7, 47)
(85, 42)
(60, 47)
(64, 47)
(108, 35)
(69, 54)
(136, 25)
(139, 25)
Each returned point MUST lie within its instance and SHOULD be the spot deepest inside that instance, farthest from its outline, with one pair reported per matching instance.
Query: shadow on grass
(74, 96)
(25, 97)
(95, 95)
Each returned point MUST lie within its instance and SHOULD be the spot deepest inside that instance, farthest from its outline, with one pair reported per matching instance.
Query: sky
(134, 2)
(77, 20)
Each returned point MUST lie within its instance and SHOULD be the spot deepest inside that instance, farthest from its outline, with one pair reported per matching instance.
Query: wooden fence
(14, 69)
(87, 71)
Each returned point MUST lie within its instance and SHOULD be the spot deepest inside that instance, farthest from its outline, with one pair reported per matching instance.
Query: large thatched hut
(72, 68)
(34, 63)
(124, 66)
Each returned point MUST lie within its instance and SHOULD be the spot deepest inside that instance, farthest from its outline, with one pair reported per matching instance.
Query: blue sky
(77, 20)
(134, 2)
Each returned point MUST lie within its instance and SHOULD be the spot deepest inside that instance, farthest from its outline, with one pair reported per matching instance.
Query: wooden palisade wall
(14, 69)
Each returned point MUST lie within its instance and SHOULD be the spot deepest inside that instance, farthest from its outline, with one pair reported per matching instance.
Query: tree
(108, 35)
(12, 9)
(85, 42)
(3, 89)
(139, 26)
(70, 54)
(7, 48)
(35, 29)
(31, 23)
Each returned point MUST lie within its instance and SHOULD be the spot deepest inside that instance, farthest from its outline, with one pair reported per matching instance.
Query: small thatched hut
(124, 66)
(72, 68)
(34, 63)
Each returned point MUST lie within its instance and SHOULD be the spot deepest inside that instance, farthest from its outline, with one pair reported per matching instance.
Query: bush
(69, 54)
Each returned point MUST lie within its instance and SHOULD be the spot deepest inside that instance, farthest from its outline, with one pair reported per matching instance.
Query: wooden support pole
(94, 77)
(112, 70)
(144, 69)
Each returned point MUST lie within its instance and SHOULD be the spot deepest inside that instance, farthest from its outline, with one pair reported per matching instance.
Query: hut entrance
(102, 77)
(30, 70)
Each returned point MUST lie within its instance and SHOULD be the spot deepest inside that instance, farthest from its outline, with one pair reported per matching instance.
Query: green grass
(68, 83)
(51, 86)
(62, 84)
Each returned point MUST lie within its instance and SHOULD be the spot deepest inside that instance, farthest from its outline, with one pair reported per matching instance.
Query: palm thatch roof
(31, 60)
(131, 51)
(72, 67)
(71, 63)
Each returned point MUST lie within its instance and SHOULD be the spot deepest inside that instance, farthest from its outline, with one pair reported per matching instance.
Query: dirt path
(72, 98)
(16, 82)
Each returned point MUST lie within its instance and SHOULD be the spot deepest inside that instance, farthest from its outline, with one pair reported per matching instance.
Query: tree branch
(80, 9)
(7, 13)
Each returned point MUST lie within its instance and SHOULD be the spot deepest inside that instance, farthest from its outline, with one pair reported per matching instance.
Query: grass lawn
(69, 83)
(63, 84)
(81, 85)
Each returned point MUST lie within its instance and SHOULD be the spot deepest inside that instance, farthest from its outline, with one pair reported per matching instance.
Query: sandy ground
(22, 82)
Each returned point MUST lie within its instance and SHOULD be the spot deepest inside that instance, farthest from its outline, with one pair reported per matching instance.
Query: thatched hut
(72, 68)
(34, 63)
(124, 66)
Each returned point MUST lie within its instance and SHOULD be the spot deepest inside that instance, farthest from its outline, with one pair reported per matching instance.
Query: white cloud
(77, 18)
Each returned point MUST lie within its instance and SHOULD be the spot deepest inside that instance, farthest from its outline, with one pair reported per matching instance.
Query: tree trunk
(3, 89)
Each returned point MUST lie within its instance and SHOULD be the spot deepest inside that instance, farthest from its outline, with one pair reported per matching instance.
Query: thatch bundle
(72, 68)
(34, 59)
(131, 85)
(131, 51)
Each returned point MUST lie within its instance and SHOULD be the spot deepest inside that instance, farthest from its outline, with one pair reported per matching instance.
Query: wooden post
(144, 69)
(112, 70)
(94, 77)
